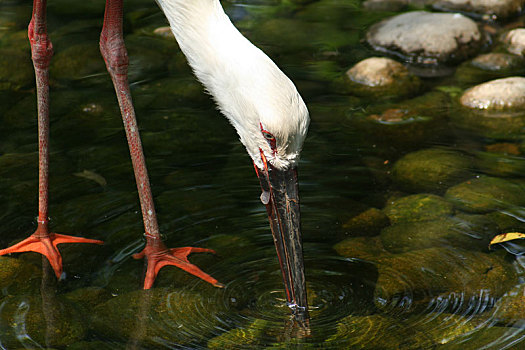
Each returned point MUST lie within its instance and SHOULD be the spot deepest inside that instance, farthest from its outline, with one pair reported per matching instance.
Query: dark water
(206, 195)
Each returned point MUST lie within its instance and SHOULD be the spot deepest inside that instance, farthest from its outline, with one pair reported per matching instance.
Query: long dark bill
(280, 195)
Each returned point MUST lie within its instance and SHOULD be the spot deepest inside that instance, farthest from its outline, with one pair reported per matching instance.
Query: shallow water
(206, 195)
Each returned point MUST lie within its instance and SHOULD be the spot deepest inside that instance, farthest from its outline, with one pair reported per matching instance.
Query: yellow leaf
(506, 237)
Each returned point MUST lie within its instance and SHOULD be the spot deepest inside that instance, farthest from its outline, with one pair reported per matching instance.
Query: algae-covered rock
(379, 76)
(18, 276)
(16, 70)
(367, 223)
(501, 165)
(26, 320)
(417, 207)
(406, 125)
(88, 298)
(158, 315)
(431, 170)
(463, 231)
(407, 278)
(250, 336)
(511, 307)
(490, 66)
(384, 332)
(484, 194)
(365, 248)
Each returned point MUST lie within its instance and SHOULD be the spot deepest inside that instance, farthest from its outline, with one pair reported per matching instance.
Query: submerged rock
(367, 223)
(18, 276)
(511, 307)
(158, 315)
(484, 194)
(379, 76)
(419, 276)
(384, 332)
(487, 9)
(406, 125)
(51, 322)
(431, 170)
(417, 207)
(490, 66)
(427, 38)
(472, 232)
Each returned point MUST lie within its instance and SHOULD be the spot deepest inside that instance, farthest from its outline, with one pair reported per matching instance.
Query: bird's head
(273, 129)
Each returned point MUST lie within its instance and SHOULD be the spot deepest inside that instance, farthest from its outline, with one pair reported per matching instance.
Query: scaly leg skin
(116, 58)
(42, 241)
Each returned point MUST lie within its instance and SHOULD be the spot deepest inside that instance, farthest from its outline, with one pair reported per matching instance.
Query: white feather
(246, 84)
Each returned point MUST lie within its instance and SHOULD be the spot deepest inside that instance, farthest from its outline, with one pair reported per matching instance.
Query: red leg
(42, 241)
(116, 58)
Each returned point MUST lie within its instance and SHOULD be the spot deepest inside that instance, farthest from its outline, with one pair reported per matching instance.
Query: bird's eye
(268, 136)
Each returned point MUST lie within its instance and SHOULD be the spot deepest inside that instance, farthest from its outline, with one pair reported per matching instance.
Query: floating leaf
(506, 237)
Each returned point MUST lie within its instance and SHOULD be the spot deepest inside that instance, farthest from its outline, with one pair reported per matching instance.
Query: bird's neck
(205, 35)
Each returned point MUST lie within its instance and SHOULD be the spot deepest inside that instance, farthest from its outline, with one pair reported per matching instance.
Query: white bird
(250, 90)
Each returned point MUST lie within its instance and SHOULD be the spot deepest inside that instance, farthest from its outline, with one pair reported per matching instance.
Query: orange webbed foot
(158, 257)
(46, 244)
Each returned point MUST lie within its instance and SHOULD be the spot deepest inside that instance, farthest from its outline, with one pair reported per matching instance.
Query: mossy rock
(500, 165)
(431, 170)
(485, 194)
(16, 70)
(158, 315)
(18, 276)
(416, 277)
(417, 207)
(405, 125)
(52, 322)
(463, 231)
(384, 332)
(497, 125)
(365, 248)
(367, 223)
(488, 67)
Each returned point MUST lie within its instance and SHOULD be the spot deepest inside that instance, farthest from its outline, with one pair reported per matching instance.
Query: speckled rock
(484, 194)
(381, 76)
(431, 170)
(488, 9)
(514, 41)
(500, 94)
(427, 38)
(417, 207)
